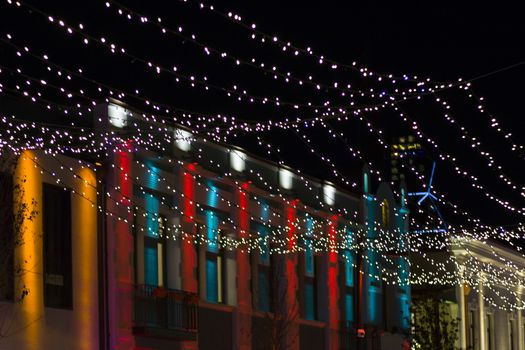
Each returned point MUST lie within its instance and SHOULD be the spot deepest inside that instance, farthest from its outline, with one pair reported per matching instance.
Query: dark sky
(425, 38)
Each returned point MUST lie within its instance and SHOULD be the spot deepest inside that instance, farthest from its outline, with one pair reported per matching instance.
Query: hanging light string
(502, 176)
(494, 123)
(136, 17)
(112, 143)
(375, 276)
(474, 181)
(467, 216)
(239, 93)
(66, 111)
(288, 47)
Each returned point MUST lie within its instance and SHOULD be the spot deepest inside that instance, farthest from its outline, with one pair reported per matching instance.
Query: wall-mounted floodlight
(329, 194)
(285, 178)
(183, 139)
(237, 160)
(118, 116)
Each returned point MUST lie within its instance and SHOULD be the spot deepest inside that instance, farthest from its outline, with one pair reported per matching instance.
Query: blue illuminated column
(152, 245)
(213, 258)
(403, 264)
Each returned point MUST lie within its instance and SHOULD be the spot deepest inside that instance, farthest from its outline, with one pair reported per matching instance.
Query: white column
(481, 316)
(521, 346)
(460, 293)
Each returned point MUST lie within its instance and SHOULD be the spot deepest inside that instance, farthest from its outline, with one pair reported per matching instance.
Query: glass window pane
(151, 265)
(211, 280)
(309, 301)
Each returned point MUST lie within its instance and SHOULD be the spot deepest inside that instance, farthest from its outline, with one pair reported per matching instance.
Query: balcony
(165, 313)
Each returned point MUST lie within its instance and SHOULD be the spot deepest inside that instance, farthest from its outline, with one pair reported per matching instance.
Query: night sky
(429, 39)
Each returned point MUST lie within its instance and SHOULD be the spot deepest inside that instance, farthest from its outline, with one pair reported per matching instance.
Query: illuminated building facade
(204, 246)
(482, 314)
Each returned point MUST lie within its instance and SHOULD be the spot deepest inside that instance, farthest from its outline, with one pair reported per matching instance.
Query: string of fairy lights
(230, 242)
(464, 173)
(55, 140)
(384, 274)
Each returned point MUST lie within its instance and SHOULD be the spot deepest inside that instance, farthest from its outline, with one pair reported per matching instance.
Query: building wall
(32, 325)
(201, 194)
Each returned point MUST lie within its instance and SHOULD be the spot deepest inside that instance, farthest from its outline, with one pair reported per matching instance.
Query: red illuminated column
(188, 249)
(189, 256)
(333, 286)
(292, 305)
(244, 298)
(120, 248)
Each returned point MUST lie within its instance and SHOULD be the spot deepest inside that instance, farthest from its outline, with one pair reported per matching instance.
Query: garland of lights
(499, 202)
(299, 250)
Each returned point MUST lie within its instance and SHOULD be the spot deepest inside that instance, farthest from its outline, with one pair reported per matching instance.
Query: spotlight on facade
(329, 193)
(118, 116)
(237, 160)
(285, 178)
(183, 139)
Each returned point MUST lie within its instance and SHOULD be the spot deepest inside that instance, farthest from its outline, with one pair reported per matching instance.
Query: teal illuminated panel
(349, 268)
(263, 244)
(263, 295)
(212, 289)
(405, 311)
(213, 194)
(349, 308)
(265, 211)
(212, 230)
(152, 205)
(150, 265)
(309, 260)
(309, 301)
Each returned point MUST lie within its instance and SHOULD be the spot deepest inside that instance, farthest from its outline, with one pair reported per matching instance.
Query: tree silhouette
(14, 213)
(433, 325)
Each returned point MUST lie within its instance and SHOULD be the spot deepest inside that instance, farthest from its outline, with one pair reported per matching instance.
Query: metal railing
(159, 307)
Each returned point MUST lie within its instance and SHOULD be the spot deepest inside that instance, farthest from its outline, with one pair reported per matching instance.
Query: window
(511, 334)
(263, 278)
(347, 286)
(7, 237)
(309, 273)
(214, 260)
(154, 261)
(56, 211)
(490, 331)
(471, 330)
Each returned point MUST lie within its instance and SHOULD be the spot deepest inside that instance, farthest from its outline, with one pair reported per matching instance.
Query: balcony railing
(165, 312)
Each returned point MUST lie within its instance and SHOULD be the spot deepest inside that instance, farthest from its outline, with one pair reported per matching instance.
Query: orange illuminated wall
(35, 326)
(84, 229)
(28, 255)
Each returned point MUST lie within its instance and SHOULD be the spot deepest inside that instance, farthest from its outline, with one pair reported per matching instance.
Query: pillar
(462, 315)
(120, 248)
(333, 287)
(521, 345)
(481, 316)
(243, 318)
